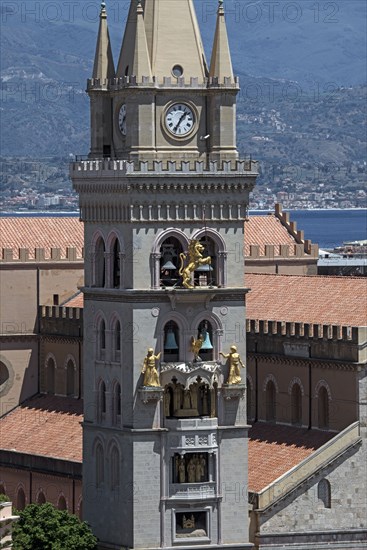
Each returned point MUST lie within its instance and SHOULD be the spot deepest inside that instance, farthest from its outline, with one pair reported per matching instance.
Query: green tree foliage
(46, 528)
(4, 498)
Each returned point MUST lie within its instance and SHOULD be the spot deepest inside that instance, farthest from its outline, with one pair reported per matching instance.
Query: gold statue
(151, 376)
(234, 365)
(196, 346)
(195, 257)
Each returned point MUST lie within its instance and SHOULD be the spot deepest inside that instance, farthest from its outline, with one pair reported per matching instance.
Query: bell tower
(163, 196)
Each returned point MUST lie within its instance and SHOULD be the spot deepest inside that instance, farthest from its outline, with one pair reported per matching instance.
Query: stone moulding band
(157, 167)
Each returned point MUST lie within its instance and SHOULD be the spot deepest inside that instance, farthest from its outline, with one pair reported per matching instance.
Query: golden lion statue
(195, 259)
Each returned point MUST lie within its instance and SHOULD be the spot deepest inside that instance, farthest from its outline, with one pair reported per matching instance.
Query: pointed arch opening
(115, 468)
(116, 340)
(296, 405)
(70, 378)
(205, 333)
(50, 375)
(61, 503)
(171, 342)
(323, 408)
(41, 499)
(99, 263)
(270, 401)
(116, 264)
(324, 493)
(116, 404)
(102, 401)
(99, 465)
(169, 263)
(21, 499)
(101, 339)
(214, 246)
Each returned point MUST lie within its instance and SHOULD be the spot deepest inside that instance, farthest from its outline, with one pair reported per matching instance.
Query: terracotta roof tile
(47, 233)
(263, 230)
(307, 299)
(273, 450)
(75, 301)
(51, 426)
(45, 425)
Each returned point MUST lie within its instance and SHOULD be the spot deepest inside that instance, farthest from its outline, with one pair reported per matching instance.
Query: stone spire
(134, 57)
(172, 35)
(221, 63)
(103, 62)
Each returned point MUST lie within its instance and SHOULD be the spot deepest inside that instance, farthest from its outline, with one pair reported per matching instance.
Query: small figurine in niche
(151, 376)
(191, 470)
(234, 365)
(181, 469)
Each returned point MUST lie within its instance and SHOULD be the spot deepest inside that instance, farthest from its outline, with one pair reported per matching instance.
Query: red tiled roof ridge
(294, 276)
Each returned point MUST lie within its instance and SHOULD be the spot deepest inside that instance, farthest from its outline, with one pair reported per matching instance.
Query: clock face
(122, 120)
(179, 119)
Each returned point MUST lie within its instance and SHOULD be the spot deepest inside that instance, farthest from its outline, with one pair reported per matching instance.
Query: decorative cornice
(299, 362)
(164, 295)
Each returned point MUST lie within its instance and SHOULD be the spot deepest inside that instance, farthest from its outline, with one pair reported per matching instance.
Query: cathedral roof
(315, 299)
(274, 449)
(45, 425)
(46, 233)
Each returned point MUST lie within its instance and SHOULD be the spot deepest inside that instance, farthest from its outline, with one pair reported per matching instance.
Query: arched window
(171, 342)
(270, 401)
(61, 504)
(99, 264)
(50, 375)
(102, 406)
(170, 252)
(20, 499)
(115, 468)
(205, 332)
(99, 465)
(323, 408)
(2, 489)
(116, 264)
(324, 492)
(116, 403)
(117, 340)
(41, 499)
(102, 339)
(296, 404)
(70, 378)
(206, 275)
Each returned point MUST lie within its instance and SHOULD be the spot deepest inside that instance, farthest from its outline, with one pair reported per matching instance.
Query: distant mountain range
(290, 49)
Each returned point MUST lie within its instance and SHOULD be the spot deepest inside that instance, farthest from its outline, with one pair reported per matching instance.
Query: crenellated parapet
(165, 83)
(297, 234)
(61, 321)
(283, 251)
(301, 330)
(40, 255)
(116, 168)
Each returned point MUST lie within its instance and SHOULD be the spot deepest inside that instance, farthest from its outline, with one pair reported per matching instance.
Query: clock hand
(179, 122)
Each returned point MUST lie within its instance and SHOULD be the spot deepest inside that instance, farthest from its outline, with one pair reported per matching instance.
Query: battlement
(39, 255)
(154, 168)
(116, 84)
(298, 235)
(60, 312)
(283, 251)
(301, 330)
